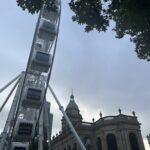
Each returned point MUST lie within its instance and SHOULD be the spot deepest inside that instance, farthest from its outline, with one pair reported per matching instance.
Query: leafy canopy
(131, 17)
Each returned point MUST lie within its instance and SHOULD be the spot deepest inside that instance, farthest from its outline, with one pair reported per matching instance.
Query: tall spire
(72, 104)
(72, 96)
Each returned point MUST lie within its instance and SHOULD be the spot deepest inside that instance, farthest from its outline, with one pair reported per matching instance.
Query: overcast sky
(104, 72)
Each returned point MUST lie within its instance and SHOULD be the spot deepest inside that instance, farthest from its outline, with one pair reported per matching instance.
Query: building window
(69, 147)
(133, 142)
(75, 146)
(87, 143)
(111, 142)
(99, 144)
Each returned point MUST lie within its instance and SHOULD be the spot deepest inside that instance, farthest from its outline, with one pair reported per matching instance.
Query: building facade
(121, 132)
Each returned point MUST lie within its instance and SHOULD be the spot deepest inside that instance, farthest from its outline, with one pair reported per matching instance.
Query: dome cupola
(72, 105)
(73, 112)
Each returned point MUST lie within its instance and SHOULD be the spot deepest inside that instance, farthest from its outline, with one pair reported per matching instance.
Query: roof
(72, 104)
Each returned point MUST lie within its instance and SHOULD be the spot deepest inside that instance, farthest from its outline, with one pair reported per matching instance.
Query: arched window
(133, 142)
(111, 142)
(75, 146)
(69, 147)
(87, 143)
(99, 144)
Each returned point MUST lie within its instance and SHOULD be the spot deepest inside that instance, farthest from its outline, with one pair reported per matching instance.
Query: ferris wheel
(29, 122)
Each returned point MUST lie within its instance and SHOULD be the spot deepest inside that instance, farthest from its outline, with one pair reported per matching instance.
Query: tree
(34, 6)
(131, 17)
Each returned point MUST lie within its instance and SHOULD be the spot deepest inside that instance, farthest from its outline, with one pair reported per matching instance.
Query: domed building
(120, 132)
(74, 115)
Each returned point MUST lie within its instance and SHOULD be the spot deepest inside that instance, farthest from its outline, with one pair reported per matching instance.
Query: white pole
(67, 119)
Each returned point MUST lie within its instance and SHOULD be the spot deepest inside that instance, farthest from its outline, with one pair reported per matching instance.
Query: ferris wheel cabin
(33, 97)
(19, 146)
(24, 130)
(41, 61)
(47, 30)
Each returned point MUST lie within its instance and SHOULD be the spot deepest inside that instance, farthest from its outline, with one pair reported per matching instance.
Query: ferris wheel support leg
(8, 84)
(10, 115)
(47, 125)
(67, 119)
(41, 138)
(1, 108)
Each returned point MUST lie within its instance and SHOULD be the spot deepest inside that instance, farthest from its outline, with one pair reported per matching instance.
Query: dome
(73, 114)
(72, 104)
